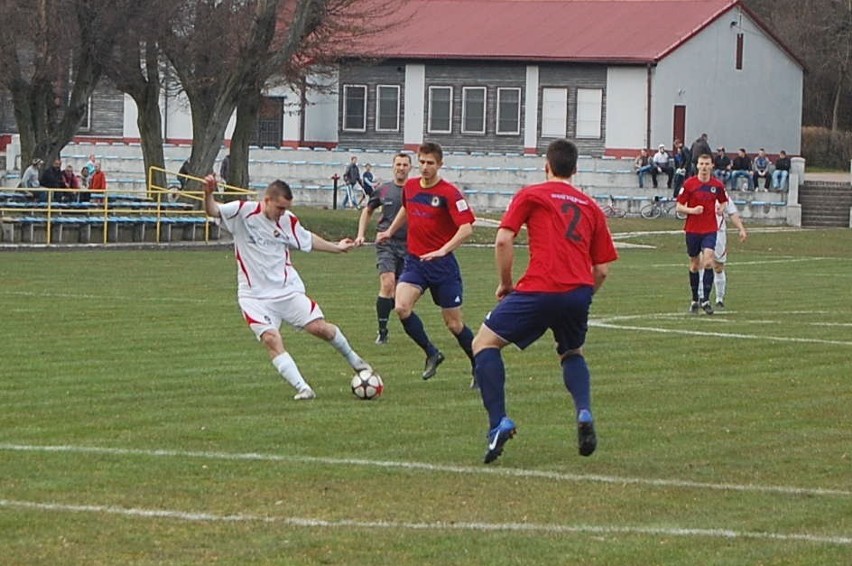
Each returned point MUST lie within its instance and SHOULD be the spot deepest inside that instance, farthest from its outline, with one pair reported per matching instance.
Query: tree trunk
(149, 122)
(247, 111)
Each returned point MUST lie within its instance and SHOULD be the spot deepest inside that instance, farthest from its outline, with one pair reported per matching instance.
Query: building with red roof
(614, 75)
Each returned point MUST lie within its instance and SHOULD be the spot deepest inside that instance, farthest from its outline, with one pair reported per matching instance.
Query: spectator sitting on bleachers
(70, 181)
(761, 170)
(661, 165)
(682, 162)
(642, 165)
(51, 178)
(741, 167)
(29, 180)
(722, 166)
(781, 173)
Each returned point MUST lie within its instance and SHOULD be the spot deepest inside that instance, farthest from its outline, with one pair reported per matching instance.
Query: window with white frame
(508, 111)
(554, 112)
(387, 108)
(589, 111)
(355, 108)
(440, 109)
(473, 110)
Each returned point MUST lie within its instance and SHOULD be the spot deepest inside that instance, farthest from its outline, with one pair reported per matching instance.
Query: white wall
(415, 97)
(626, 107)
(759, 106)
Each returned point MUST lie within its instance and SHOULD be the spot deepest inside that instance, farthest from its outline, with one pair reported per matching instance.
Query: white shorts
(297, 310)
(720, 253)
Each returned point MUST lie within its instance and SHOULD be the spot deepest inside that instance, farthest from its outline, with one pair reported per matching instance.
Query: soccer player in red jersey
(439, 220)
(697, 199)
(570, 252)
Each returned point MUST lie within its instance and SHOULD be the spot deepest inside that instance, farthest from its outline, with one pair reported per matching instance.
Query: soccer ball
(366, 385)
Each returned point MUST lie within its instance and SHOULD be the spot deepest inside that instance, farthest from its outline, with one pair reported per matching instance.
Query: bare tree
(50, 53)
(820, 32)
(135, 66)
(225, 52)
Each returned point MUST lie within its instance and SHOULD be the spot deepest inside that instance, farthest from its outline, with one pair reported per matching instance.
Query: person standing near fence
(570, 249)
(351, 177)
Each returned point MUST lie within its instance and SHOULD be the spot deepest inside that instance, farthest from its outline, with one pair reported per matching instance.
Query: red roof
(615, 31)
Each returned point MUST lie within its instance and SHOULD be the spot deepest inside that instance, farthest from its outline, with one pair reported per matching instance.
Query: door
(679, 123)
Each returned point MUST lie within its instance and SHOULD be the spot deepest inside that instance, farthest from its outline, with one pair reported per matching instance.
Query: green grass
(181, 445)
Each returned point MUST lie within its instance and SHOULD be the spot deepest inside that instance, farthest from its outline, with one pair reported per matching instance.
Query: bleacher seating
(490, 179)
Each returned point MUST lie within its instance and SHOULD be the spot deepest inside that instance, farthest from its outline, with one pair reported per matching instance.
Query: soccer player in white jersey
(720, 252)
(270, 290)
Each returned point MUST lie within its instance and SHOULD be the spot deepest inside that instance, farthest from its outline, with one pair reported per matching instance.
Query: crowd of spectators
(36, 178)
(760, 172)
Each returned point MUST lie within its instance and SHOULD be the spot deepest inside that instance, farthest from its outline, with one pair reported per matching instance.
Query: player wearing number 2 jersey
(570, 251)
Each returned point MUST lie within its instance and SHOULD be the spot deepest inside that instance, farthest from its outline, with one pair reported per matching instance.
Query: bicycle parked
(661, 206)
(612, 211)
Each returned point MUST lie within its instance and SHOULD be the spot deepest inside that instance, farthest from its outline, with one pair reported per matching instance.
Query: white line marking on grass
(101, 297)
(597, 324)
(544, 528)
(761, 262)
(508, 472)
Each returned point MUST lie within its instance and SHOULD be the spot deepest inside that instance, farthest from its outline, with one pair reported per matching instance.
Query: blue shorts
(522, 318)
(441, 276)
(697, 242)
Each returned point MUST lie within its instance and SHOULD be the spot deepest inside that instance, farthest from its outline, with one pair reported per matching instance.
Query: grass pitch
(140, 422)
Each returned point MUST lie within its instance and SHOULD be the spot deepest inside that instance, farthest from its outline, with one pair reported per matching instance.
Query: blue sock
(575, 374)
(708, 283)
(491, 376)
(465, 340)
(693, 283)
(413, 326)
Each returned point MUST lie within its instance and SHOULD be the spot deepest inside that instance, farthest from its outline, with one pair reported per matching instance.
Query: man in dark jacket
(700, 147)
(51, 178)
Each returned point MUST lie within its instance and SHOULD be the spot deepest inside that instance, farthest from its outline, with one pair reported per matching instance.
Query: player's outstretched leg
(288, 370)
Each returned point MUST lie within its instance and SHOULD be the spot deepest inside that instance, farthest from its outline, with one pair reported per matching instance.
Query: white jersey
(723, 211)
(262, 248)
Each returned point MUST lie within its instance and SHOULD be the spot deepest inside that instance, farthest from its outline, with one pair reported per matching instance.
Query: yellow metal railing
(156, 205)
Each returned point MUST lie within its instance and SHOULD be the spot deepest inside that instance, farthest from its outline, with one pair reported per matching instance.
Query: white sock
(341, 344)
(719, 281)
(286, 366)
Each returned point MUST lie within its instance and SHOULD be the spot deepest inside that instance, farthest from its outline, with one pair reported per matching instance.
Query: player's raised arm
(211, 207)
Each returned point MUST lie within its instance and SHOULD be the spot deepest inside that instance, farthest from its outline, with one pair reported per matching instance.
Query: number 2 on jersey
(569, 208)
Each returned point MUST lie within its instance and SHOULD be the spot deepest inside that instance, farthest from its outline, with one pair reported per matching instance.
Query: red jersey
(434, 215)
(568, 235)
(695, 192)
